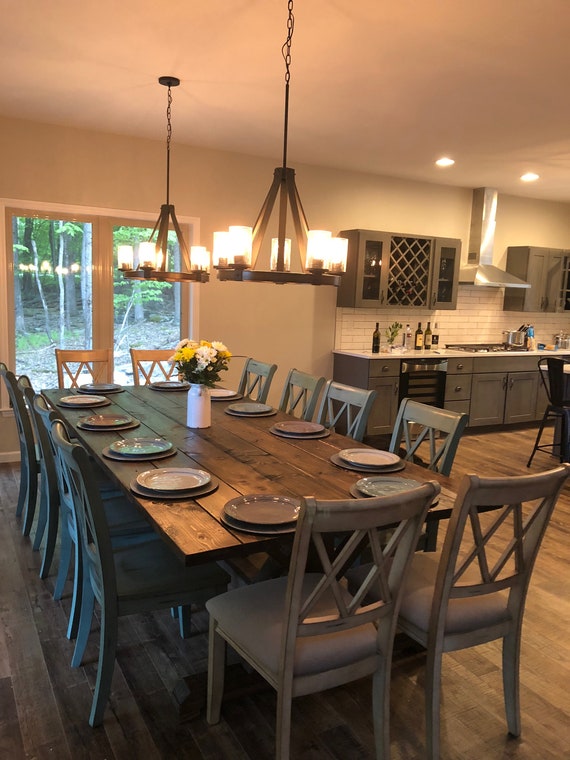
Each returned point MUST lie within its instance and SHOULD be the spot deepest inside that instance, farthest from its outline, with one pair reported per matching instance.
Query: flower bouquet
(201, 362)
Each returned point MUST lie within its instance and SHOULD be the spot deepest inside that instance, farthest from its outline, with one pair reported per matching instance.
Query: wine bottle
(427, 338)
(408, 338)
(419, 338)
(376, 340)
(435, 336)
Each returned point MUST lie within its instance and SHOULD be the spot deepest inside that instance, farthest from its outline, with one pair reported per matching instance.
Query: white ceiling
(382, 86)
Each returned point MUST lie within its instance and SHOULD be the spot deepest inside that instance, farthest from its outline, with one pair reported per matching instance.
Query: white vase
(199, 407)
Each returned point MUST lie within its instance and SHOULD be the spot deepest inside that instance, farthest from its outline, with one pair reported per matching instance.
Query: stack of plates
(262, 513)
(368, 460)
(100, 388)
(84, 400)
(223, 394)
(299, 429)
(105, 422)
(139, 449)
(380, 485)
(250, 409)
(174, 483)
(170, 385)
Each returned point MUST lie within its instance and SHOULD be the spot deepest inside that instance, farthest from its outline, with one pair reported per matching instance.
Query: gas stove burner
(484, 348)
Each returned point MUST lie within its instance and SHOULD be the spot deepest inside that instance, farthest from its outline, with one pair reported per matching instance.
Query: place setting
(72, 402)
(224, 394)
(169, 385)
(106, 422)
(102, 388)
(368, 460)
(299, 429)
(381, 485)
(173, 483)
(139, 449)
(250, 409)
(262, 514)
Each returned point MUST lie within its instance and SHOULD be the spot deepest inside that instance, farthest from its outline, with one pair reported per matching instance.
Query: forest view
(53, 304)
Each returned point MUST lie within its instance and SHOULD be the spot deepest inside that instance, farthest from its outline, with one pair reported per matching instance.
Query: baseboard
(9, 456)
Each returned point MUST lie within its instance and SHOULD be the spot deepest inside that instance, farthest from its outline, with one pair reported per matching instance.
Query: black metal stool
(553, 378)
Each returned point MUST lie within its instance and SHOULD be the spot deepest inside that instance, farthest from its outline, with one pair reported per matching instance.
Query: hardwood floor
(44, 704)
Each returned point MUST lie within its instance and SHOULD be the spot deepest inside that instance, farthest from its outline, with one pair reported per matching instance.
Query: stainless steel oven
(423, 379)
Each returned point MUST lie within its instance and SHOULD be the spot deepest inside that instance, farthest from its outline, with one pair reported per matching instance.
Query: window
(65, 291)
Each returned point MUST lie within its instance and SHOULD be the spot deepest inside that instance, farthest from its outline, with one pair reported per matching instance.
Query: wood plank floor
(44, 704)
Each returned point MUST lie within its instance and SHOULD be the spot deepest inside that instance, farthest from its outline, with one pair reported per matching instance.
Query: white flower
(219, 346)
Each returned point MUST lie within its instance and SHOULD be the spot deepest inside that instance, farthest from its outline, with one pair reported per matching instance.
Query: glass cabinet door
(446, 260)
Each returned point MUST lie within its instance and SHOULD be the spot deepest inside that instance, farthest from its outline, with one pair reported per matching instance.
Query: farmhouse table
(240, 452)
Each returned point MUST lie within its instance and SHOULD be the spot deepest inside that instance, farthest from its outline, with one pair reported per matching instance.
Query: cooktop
(483, 348)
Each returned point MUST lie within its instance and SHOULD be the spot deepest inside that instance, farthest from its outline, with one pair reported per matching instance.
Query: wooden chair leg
(216, 673)
(511, 681)
(84, 628)
(64, 562)
(105, 666)
(433, 697)
(381, 710)
(79, 580)
(42, 522)
(31, 495)
(283, 723)
(51, 538)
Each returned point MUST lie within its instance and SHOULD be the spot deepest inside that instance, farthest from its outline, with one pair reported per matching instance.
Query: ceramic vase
(199, 407)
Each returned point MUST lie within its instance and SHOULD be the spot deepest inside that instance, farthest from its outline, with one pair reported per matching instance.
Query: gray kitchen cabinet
(458, 385)
(542, 268)
(503, 391)
(386, 269)
(381, 375)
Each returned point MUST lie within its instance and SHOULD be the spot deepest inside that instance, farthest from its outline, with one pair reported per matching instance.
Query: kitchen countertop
(444, 352)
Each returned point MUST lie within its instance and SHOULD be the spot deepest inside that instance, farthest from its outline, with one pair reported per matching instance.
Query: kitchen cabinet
(458, 385)
(542, 268)
(503, 391)
(381, 375)
(385, 270)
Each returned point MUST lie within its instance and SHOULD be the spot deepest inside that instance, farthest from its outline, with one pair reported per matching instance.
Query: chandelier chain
(286, 53)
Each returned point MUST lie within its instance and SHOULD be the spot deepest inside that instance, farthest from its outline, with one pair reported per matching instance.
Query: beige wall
(291, 325)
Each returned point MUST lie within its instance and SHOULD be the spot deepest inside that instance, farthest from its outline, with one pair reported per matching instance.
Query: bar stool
(553, 378)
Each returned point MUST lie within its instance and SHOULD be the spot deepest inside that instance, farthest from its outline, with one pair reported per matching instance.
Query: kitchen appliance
(483, 348)
(515, 337)
(423, 380)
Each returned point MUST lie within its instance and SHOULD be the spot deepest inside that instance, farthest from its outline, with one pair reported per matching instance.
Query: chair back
(255, 380)
(347, 407)
(79, 483)
(300, 394)
(377, 597)
(551, 371)
(151, 364)
(488, 552)
(96, 363)
(417, 423)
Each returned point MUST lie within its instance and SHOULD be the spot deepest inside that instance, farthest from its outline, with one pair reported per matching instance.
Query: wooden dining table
(241, 453)
(243, 457)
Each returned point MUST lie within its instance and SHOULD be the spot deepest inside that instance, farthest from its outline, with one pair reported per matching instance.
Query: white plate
(298, 427)
(263, 509)
(380, 485)
(222, 393)
(250, 407)
(369, 457)
(106, 420)
(83, 400)
(169, 385)
(173, 479)
(100, 387)
(138, 446)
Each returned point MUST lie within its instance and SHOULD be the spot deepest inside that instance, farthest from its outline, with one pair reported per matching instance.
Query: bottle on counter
(419, 338)
(408, 338)
(435, 336)
(376, 340)
(427, 337)
(530, 340)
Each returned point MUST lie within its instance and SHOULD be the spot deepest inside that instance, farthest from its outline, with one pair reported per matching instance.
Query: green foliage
(392, 331)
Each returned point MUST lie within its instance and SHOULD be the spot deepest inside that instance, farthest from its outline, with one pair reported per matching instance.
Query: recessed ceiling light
(529, 177)
(445, 161)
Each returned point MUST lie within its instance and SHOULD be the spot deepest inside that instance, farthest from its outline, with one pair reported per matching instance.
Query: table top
(240, 452)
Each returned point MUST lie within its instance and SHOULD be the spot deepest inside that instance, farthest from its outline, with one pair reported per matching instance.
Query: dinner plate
(100, 388)
(262, 530)
(381, 485)
(263, 509)
(335, 459)
(369, 457)
(108, 454)
(299, 436)
(172, 479)
(106, 420)
(83, 400)
(298, 427)
(110, 428)
(137, 446)
(169, 385)
(250, 407)
(172, 495)
(223, 394)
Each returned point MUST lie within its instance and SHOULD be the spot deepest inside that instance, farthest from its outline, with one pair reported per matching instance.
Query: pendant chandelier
(153, 255)
(235, 251)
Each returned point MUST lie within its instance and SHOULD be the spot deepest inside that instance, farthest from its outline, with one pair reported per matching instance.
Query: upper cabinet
(386, 270)
(542, 269)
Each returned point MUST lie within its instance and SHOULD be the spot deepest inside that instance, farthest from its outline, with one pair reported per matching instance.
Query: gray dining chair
(256, 379)
(125, 580)
(474, 591)
(347, 407)
(305, 633)
(301, 393)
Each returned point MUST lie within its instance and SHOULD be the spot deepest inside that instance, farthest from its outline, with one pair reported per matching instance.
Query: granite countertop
(442, 352)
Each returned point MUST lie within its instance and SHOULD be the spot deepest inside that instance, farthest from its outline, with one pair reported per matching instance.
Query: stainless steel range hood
(480, 269)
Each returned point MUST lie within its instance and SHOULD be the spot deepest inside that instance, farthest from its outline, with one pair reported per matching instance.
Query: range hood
(480, 269)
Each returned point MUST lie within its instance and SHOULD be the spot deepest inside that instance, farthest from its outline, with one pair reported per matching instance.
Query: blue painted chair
(301, 393)
(255, 380)
(346, 407)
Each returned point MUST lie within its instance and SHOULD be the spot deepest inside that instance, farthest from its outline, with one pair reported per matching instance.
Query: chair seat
(255, 615)
(462, 614)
